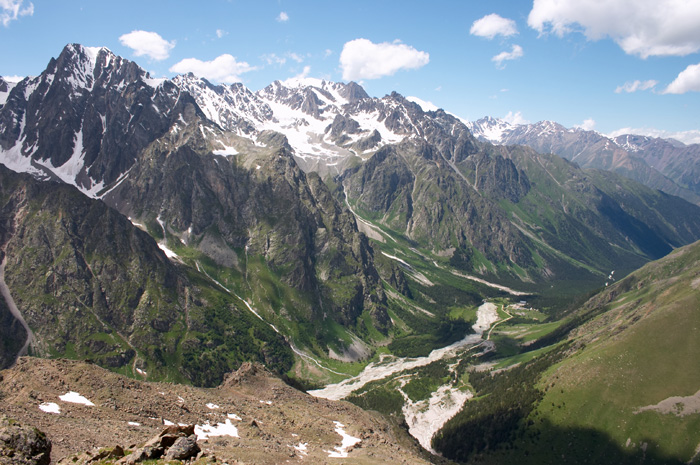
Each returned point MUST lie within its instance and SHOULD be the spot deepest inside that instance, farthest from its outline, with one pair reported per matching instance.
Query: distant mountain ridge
(667, 165)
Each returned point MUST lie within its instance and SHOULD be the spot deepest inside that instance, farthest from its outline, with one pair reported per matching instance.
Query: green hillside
(624, 391)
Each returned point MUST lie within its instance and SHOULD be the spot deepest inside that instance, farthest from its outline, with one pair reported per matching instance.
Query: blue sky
(602, 64)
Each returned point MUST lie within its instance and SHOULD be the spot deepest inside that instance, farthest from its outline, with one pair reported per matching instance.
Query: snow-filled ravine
(426, 417)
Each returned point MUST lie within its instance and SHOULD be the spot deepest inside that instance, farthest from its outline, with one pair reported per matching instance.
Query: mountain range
(171, 229)
(259, 191)
(664, 164)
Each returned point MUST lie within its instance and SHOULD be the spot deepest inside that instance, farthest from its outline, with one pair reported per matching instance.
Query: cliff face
(91, 285)
(270, 209)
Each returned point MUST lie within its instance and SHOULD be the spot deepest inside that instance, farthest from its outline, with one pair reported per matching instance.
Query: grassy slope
(643, 350)
(639, 347)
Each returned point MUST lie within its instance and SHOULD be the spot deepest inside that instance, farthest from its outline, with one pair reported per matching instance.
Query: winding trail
(5, 291)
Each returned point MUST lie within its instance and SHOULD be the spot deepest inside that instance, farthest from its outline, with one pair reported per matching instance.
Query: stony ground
(270, 417)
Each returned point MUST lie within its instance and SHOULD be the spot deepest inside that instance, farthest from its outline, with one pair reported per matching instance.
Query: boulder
(22, 445)
(183, 449)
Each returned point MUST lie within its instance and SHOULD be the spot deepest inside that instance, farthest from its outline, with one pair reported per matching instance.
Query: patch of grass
(382, 399)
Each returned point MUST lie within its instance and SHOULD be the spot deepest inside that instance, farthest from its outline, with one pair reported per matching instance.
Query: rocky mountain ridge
(326, 128)
(236, 188)
(100, 123)
(663, 164)
(97, 287)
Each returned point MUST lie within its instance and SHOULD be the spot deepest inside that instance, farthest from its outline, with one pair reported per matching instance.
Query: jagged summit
(98, 111)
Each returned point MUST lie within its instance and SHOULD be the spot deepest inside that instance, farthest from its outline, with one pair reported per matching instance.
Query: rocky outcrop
(256, 420)
(22, 445)
(412, 188)
(274, 211)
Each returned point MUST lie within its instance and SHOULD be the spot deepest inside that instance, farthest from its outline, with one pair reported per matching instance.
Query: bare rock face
(22, 445)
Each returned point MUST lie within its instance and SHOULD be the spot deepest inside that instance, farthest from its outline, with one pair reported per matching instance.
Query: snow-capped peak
(91, 54)
(298, 82)
(490, 129)
(234, 107)
(6, 86)
(84, 60)
(425, 105)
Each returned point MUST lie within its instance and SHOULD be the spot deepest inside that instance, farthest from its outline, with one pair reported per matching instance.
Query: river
(424, 418)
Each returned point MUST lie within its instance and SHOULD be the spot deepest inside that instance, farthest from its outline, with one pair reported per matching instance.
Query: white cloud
(274, 59)
(587, 124)
(295, 56)
(640, 27)
(221, 33)
(687, 137)
(147, 43)
(687, 81)
(516, 52)
(282, 17)
(11, 10)
(327, 53)
(515, 118)
(224, 68)
(634, 86)
(493, 25)
(362, 59)
(304, 74)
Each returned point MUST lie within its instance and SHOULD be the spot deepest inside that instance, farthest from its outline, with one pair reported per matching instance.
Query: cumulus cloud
(687, 81)
(687, 137)
(640, 27)
(282, 17)
(224, 68)
(634, 86)
(221, 33)
(147, 43)
(493, 25)
(362, 59)
(516, 52)
(587, 124)
(11, 10)
(515, 118)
